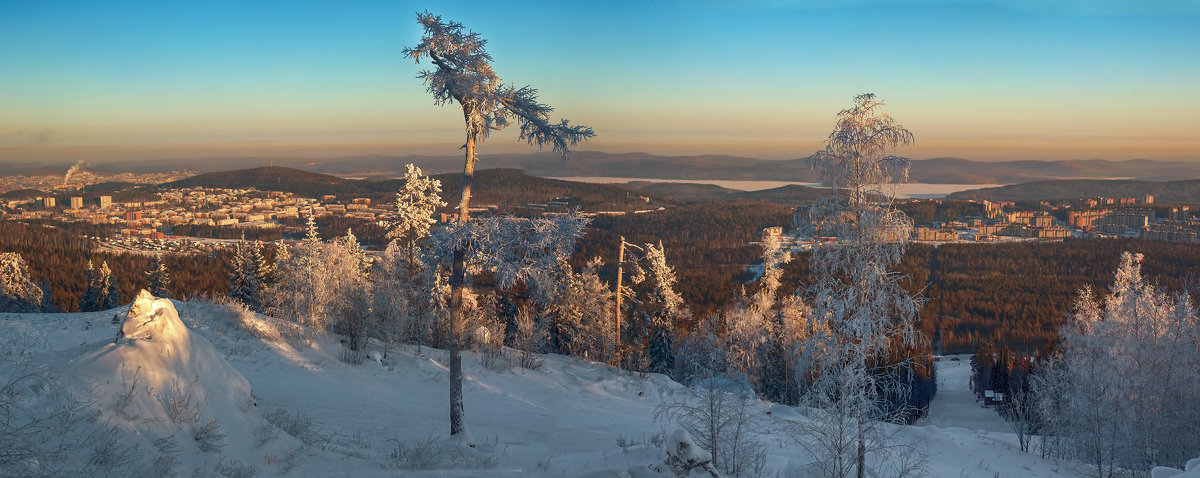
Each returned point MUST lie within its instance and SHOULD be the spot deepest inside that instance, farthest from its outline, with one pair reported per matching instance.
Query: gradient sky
(987, 80)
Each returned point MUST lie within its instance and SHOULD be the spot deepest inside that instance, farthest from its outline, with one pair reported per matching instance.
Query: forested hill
(503, 187)
(1185, 191)
(277, 178)
(507, 187)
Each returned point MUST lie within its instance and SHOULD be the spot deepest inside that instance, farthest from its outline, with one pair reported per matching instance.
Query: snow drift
(168, 396)
(155, 345)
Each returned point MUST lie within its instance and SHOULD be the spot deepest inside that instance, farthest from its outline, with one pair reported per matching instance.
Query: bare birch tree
(462, 73)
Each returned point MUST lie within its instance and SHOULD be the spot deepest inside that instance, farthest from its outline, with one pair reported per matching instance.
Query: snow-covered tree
(858, 300)
(347, 267)
(1121, 394)
(311, 235)
(462, 73)
(243, 279)
(662, 307)
(719, 412)
(763, 330)
(159, 278)
(579, 313)
(18, 293)
(401, 287)
(101, 293)
(87, 302)
(264, 270)
(303, 289)
(416, 203)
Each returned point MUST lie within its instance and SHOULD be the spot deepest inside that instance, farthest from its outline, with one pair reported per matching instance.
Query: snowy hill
(284, 408)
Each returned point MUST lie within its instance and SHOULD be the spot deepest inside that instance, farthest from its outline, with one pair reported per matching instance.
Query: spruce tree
(109, 297)
(243, 280)
(160, 278)
(17, 292)
(91, 296)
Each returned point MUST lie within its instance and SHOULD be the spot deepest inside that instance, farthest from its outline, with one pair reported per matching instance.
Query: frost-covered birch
(462, 74)
(1123, 393)
(856, 300)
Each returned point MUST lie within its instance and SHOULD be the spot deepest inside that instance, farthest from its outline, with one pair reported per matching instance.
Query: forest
(977, 294)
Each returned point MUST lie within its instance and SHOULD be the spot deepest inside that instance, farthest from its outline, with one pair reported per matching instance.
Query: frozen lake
(910, 190)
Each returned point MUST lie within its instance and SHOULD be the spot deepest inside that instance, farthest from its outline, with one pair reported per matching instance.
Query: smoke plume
(74, 169)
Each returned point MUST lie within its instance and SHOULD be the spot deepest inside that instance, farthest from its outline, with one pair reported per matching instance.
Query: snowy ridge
(568, 418)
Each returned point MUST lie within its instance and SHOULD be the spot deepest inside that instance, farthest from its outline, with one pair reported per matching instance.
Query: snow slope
(955, 404)
(290, 409)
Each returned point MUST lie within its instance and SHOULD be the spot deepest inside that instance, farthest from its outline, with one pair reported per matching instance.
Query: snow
(1190, 470)
(955, 404)
(567, 418)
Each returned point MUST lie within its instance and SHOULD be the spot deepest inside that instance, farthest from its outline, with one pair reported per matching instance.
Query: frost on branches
(19, 293)
(416, 203)
(845, 370)
(1122, 393)
(463, 74)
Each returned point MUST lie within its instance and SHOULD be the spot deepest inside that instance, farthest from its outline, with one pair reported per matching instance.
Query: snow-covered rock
(157, 347)
(683, 455)
(1190, 470)
(159, 381)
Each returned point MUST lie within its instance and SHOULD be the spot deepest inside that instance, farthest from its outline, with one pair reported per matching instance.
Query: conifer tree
(159, 277)
(91, 295)
(18, 293)
(311, 236)
(243, 279)
(264, 270)
(106, 284)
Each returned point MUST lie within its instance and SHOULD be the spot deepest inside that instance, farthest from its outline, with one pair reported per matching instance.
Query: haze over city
(983, 80)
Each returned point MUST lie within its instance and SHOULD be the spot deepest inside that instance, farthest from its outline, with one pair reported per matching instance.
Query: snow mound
(1190, 470)
(160, 383)
(155, 345)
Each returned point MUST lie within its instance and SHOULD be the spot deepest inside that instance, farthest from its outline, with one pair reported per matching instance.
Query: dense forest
(58, 260)
(705, 242)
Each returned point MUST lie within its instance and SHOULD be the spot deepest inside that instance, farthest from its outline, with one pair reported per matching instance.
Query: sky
(983, 80)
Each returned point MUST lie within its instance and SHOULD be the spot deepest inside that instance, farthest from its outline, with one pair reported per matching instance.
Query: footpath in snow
(955, 404)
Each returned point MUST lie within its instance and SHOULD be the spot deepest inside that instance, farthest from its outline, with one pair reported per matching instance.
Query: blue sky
(977, 79)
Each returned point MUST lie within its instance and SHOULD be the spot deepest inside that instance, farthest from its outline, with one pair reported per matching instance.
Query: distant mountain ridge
(650, 166)
(508, 187)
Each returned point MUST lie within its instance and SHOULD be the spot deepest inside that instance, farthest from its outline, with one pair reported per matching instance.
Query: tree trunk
(862, 451)
(457, 279)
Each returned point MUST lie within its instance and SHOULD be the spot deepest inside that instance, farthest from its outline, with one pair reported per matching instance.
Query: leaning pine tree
(462, 73)
(857, 302)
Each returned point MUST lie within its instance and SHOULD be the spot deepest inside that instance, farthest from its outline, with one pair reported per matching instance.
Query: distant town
(149, 225)
(1101, 217)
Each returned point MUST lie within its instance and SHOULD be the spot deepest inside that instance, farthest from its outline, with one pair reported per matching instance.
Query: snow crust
(567, 418)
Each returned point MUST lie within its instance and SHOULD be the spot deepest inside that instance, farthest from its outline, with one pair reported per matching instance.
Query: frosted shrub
(209, 437)
(297, 425)
(180, 402)
(719, 413)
